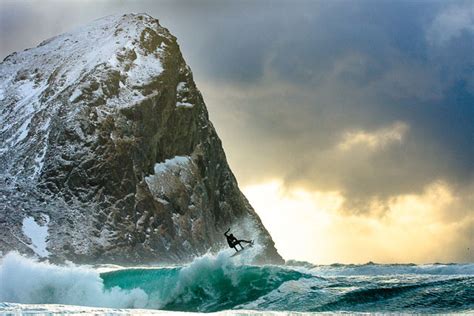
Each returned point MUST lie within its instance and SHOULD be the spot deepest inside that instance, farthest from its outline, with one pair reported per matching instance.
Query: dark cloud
(285, 81)
(356, 67)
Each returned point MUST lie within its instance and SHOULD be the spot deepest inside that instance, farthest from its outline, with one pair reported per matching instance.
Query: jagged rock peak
(110, 61)
(107, 143)
(104, 41)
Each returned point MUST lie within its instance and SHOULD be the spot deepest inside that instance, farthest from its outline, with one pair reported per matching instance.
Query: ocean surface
(217, 283)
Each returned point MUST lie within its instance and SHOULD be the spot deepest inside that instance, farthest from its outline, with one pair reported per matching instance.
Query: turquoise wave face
(207, 288)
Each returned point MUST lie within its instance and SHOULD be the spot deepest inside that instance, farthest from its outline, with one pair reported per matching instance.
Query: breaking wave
(218, 282)
(24, 280)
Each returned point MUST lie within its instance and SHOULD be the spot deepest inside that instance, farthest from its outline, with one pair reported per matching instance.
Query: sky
(348, 124)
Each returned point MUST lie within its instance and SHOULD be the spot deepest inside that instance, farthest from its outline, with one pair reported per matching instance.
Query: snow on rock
(181, 87)
(37, 231)
(173, 163)
(182, 92)
(170, 174)
(184, 105)
(77, 93)
(102, 62)
(144, 68)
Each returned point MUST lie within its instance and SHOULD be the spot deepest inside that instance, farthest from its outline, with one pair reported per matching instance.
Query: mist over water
(217, 282)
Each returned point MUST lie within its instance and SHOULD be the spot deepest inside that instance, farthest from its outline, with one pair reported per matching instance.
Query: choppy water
(217, 282)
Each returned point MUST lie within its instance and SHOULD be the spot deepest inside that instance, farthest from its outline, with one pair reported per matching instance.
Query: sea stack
(108, 154)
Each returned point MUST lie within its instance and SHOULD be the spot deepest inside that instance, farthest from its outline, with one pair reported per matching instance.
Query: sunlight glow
(313, 226)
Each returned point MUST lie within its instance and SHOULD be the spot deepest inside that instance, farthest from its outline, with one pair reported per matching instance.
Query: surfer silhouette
(233, 242)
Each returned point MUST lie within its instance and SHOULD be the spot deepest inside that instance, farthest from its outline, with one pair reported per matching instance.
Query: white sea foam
(24, 280)
(28, 281)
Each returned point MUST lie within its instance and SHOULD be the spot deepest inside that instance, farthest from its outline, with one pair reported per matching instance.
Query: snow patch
(113, 61)
(27, 90)
(181, 86)
(23, 131)
(37, 232)
(182, 102)
(162, 201)
(144, 69)
(169, 176)
(184, 105)
(177, 161)
(39, 162)
(76, 94)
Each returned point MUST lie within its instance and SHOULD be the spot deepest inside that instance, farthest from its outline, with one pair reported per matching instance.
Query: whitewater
(218, 283)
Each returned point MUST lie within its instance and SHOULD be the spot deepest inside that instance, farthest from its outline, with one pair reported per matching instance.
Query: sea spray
(25, 280)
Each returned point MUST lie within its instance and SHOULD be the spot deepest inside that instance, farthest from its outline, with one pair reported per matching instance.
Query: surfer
(233, 242)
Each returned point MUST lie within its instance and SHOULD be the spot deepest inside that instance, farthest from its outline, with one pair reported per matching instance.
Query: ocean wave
(24, 280)
(209, 283)
(218, 282)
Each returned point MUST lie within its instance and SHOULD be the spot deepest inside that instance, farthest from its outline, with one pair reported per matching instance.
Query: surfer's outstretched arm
(225, 234)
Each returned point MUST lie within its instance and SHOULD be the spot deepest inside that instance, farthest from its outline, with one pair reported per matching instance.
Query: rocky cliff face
(107, 152)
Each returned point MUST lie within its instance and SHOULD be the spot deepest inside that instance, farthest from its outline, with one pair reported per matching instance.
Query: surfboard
(240, 251)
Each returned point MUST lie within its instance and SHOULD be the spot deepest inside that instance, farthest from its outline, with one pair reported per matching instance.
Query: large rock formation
(107, 152)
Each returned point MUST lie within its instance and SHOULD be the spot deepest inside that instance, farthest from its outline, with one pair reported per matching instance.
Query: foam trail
(24, 280)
